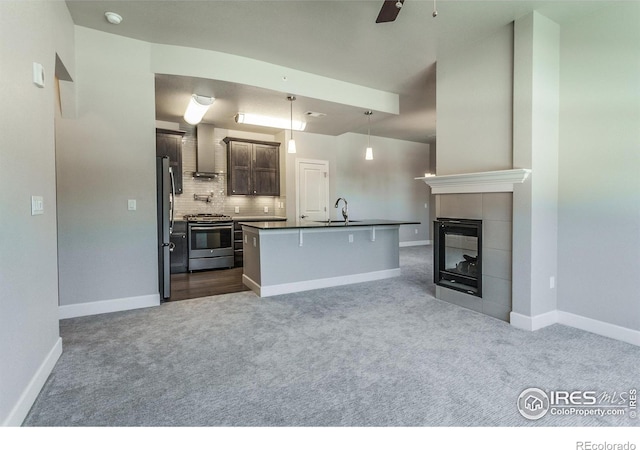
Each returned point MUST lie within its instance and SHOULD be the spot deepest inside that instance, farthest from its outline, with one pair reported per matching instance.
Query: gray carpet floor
(383, 353)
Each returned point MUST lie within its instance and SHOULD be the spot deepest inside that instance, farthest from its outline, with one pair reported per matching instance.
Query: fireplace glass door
(458, 255)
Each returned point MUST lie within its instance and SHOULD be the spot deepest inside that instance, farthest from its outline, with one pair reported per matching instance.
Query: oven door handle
(212, 227)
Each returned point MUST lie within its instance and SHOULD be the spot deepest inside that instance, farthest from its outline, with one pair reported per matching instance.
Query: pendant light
(291, 148)
(368, 155)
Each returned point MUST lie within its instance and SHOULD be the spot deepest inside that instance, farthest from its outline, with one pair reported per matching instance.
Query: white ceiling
(333, 38)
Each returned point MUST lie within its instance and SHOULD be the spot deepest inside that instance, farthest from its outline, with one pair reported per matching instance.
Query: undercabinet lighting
(197, 108)
(272, 122)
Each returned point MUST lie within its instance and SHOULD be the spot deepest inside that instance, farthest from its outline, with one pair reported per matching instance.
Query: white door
(312, 189)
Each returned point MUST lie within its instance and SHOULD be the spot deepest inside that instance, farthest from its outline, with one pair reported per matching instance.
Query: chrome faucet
(345, 209)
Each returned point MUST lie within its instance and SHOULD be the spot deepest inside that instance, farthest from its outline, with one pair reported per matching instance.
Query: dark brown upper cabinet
(253, 167)
(169, 143)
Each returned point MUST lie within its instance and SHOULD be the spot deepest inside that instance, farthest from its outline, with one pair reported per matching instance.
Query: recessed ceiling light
(113, 17)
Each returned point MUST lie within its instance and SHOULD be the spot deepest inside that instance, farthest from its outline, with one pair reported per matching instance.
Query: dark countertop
(292, 225)
(257, 218)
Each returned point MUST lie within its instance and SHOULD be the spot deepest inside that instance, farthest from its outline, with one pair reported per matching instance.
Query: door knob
(303, 216)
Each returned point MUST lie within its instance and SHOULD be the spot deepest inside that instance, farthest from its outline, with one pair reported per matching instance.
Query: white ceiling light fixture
(291, 148)
(113, 18)
(368, 155)
(271, 122)
(197, 108)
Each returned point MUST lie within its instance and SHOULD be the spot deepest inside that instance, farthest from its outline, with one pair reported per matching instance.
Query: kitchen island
(285, 257)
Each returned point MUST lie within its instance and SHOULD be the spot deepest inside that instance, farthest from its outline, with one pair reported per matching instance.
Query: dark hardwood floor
(206, 283)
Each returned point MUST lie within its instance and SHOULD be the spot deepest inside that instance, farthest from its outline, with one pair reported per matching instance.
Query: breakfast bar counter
(294, 256)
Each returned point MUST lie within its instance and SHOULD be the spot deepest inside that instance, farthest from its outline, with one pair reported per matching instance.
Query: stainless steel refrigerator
(166, 194)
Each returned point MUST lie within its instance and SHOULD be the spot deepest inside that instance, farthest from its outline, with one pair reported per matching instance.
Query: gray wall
(104, 157)
(384, 188)
(599, 188)
(380, 189)
(474, 106)
(29, 335)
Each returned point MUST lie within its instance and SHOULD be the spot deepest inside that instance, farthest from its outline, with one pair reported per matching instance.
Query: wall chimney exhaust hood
(205, 152)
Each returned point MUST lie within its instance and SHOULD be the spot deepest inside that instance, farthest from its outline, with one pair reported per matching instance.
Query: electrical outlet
(351, 239)
(37, 205)
(266, 209)
(416, 231)
(237, 209)
(255, 242)
(552, 282)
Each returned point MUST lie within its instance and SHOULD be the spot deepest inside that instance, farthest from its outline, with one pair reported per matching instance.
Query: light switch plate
(237, 209)
(38, 75)
(131, 205)
(266, 209)
(37, 205)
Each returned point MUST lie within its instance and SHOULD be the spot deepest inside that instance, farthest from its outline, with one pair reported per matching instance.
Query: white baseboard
(415, 243)
(29, 395)
(532, 323)
(598, 327)
(299, 286)
(575, 321)
(107, 306)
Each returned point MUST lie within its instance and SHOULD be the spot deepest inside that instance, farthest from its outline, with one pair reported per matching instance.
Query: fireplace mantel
(496, 181)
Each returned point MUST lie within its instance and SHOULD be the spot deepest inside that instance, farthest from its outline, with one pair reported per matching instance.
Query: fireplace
(457, 255)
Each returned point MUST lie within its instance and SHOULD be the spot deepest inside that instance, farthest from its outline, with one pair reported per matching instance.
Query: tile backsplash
(216, 189)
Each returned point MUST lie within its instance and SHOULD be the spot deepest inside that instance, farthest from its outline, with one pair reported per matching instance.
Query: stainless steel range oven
(210, 242)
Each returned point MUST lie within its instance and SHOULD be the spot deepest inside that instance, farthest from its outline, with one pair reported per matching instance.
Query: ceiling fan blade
(389, 11)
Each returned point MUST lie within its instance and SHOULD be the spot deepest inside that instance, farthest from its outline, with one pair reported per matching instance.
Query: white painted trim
(575, 321)
(28, 397)
(495, 181)
(598, 327)
(107, 306)
(533, 323)
(299, 286)
(415, 243)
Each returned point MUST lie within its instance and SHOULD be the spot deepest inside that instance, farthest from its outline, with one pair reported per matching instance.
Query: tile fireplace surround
(495, 211)
(486, 196)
